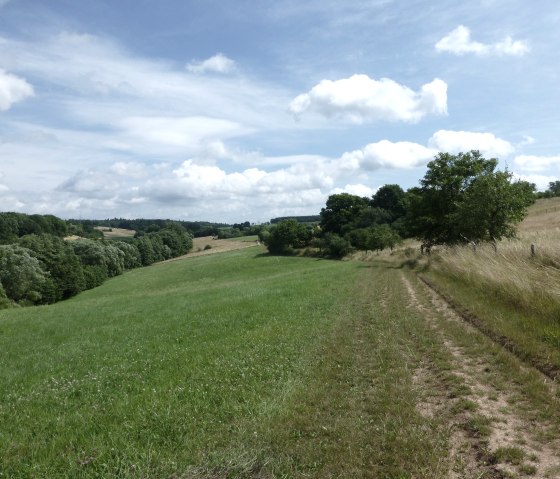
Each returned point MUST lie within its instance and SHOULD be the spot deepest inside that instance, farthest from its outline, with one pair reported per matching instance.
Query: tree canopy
(462, 198)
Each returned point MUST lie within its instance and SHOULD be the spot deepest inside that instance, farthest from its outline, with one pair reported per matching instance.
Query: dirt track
(497, 399)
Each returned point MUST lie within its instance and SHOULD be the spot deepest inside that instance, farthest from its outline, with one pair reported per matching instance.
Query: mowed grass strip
(355, 410)
(233, 365)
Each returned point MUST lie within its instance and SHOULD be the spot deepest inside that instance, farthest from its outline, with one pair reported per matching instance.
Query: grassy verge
(512, 297)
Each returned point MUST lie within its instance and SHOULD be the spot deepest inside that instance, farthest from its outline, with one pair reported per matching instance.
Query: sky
(246, 110)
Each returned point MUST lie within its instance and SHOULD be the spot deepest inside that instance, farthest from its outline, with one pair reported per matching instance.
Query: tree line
(145, 225)
(462, 199)
(40, 267)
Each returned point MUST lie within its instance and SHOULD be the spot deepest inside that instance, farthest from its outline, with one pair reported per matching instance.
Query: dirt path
(492, 434)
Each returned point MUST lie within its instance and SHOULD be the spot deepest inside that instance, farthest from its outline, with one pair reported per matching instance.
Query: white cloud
(361, 98)
(129, 168)
(510, 47)
(193, 190)
(357, 189)
(387, 154)
(541, 181)
(183, 132)
(219, 63)
(462, 141)
(527, 140)
(12, 90)
(536, 163)
(459, 42)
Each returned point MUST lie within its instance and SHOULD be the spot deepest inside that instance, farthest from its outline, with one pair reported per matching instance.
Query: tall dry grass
(514, 294)
(510, 270)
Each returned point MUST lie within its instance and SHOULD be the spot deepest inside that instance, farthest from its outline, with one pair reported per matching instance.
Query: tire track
(492, 428)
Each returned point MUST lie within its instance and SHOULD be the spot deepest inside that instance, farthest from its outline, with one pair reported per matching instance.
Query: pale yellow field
(113, 233)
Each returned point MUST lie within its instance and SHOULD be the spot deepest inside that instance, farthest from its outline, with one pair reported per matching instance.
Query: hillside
(246, 365)
(543, 216)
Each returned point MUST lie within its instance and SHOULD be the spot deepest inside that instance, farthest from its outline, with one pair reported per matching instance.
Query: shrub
(22, 275)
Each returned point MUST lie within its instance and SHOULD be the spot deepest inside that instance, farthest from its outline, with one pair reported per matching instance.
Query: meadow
(513, 293)
(185, 368)
(246, 365)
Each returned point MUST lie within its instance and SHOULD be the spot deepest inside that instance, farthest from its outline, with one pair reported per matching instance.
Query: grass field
(115, 233)
(232, 365)
(245, 365)
(515, 294)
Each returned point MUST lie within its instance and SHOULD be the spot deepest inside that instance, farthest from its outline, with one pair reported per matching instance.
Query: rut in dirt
(490, 434)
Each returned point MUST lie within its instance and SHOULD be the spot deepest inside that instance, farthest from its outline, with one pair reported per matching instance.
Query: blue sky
(247, 110)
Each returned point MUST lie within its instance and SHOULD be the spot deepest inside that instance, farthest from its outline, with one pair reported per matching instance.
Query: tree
(59, 259)
(286, 235)
(358, 238)
(340, 211)
(381, 237)
(4, 300)
(553, 188)
(94, 261)
(392, 199)
(146, 250)
(176, 238)
(492, 206)
(462, 199)
(8, 228)
(132, 258)
(21, 274)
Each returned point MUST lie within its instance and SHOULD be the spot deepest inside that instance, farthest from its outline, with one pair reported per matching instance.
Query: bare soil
(494, 401)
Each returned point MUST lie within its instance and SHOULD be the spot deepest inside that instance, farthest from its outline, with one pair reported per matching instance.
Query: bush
(4, 300)
(23, 278)
(59, 259)
(335, 246)
(288, 234)
(131, 258)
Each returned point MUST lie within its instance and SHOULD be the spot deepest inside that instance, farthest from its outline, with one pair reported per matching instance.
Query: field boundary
(548, 370)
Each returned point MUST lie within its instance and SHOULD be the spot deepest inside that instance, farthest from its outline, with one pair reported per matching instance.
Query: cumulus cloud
(459, 42)
(129, 168)
(195, 190)
(536, 163)
(462, 141)
(388, 154)
(219, 63)
(361, 98)
(357, 189)
(12, 90)
(541, 181)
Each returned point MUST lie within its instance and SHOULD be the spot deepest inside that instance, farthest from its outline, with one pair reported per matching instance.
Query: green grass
(230, 365)
(156, 367)
(513, 455)
(533, 337)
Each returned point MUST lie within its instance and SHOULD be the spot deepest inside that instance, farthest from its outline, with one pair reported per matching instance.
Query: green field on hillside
(245, 365)
(171, 368)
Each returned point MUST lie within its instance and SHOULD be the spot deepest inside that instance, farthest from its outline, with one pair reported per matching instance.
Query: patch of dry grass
(115, 233)
(516, 294)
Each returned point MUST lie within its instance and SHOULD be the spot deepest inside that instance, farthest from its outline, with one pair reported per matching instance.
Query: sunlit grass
(158, 367)
(513, 287)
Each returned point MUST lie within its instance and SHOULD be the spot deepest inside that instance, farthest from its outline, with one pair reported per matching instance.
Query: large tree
(462, 198)
(286, 235)
(341, 211)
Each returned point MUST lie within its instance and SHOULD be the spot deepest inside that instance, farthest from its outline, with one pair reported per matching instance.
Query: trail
(492, 434)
